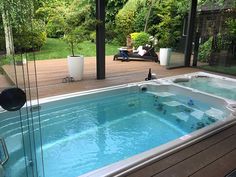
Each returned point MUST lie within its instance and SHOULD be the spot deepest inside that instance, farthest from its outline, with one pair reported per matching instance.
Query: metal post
(190, 32)
(100, 38)
(196, 47)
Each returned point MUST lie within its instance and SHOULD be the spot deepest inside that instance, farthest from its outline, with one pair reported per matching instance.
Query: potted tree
(75, 62)
(165, 50)
(73, 35)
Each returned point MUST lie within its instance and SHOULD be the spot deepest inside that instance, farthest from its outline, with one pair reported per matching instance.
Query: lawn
(221, 69)
(57, 48)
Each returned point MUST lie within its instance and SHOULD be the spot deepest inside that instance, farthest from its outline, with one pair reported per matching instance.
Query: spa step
(197, 114)
(181, 115)
(214, 113)
(163, 94)
(172, 103)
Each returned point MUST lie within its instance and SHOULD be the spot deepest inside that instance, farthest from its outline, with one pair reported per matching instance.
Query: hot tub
(112, 130)
(210, 83)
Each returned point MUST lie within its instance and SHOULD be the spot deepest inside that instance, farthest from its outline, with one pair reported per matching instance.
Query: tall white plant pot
(76, 67)
(165, 54)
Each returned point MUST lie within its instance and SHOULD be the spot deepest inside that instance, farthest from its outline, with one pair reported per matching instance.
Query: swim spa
(214, 84)
(114, 129)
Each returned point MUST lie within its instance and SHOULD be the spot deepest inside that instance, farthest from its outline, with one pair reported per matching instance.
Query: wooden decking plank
(175, 158)
(221, 167)
(198, 161)
(51, 72)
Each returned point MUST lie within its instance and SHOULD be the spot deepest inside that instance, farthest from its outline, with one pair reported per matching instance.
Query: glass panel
(174, 37)
(20, 129)
(216, 28)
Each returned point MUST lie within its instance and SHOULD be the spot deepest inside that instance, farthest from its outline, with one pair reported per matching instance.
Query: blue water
(215, 86)
(87, 135)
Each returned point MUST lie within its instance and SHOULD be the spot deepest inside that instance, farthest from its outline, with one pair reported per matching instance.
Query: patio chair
(149, 55)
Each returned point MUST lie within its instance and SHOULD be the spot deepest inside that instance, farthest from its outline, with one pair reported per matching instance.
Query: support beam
(190, 32)
(100, 38)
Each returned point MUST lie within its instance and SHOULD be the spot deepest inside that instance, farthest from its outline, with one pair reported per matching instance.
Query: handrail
(6, 155)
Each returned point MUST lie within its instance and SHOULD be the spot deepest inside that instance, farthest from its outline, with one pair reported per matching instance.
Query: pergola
(100, 37)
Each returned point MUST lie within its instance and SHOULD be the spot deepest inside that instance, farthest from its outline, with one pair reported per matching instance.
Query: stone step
(181, 115)
(172, 103)
(197, 114)
(214, 113)
(163, 94)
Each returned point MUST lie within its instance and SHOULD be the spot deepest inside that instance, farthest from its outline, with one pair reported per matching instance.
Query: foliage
(134, 35)
(205, 50)
(112, 8)
(125, 19)
(55, 27)
(79, 24)
(57, 48)
(139, 21)
(168, 30)
(29, 39)
(53, 15)
(2, 39)
(221, 69)
(93, 37)
(231, 25)
(140, 39)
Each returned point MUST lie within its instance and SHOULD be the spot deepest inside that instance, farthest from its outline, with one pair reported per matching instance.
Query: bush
(140, 39)
(29, 39)
(110, 32)
(140, 19)
(93, 37)
(125, 19)
(205, 50)
(55, 27)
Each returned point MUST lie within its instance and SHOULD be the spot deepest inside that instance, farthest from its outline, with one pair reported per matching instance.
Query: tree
(15, 14)
(148, 14)
(7, 29)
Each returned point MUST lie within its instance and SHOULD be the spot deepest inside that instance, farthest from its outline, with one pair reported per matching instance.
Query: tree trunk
(8, 34)
(148, 15)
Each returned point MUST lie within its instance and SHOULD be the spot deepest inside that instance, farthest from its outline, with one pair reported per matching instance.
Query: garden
(57, 28)
(54, 29)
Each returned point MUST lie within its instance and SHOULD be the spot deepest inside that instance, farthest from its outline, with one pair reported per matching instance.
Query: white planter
(76, 67)
(165, 54)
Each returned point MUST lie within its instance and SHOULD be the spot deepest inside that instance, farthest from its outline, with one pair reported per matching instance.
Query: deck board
(195, 159)
(51, 72)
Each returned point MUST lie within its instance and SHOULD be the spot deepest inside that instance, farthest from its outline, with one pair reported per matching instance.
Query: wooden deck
(51, 72)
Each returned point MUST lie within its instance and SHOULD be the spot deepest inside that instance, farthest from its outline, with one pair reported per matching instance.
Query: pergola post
(190, 32)
(100, 38)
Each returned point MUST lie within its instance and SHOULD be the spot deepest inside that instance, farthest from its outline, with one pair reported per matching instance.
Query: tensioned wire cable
(15, 70)
(37, 96)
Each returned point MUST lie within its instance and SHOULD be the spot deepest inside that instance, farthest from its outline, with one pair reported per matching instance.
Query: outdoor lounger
(149, 55)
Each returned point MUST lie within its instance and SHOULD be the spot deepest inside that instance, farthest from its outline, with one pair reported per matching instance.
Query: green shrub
(205, 50)
(140, 39)
(125, 19)
(28, 39)
(55, 27)
(140, 19)
(93, 36)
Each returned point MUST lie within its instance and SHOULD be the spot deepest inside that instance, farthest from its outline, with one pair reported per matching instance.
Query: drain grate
(232, 174)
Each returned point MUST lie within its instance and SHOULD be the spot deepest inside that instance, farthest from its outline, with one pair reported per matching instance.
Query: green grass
(221, 69)
(57, 48)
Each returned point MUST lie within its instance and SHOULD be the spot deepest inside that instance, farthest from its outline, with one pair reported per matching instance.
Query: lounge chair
(149, 55)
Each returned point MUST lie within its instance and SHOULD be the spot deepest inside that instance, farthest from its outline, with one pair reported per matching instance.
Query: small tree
(73, 34)
(73, 37)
